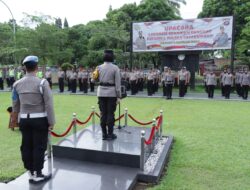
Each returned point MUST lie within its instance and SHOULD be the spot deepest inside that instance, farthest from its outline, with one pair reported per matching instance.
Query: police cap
(30, 60)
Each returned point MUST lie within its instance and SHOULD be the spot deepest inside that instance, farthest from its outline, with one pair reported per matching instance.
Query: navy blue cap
(30, 60)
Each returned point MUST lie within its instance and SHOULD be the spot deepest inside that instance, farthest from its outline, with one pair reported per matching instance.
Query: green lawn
(211, 149)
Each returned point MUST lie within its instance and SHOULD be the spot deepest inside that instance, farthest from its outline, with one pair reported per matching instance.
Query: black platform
(87, 145)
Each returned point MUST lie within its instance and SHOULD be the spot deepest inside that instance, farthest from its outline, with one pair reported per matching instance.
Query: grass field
(211, 149)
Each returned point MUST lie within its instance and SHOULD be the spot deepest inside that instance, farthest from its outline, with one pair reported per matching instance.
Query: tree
(58, 23)
(65, 23)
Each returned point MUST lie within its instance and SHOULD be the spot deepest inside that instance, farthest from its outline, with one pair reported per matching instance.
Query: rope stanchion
(65, 133)
(139, 122)
(119, 118)
(84, 122)
(98, 115)
(159, 123)
(150, 140)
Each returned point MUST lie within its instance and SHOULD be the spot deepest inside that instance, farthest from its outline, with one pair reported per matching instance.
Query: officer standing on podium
(32, 100)
(108, 93)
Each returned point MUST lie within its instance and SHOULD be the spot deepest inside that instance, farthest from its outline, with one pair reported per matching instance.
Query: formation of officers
(137, 80)
(240, 80)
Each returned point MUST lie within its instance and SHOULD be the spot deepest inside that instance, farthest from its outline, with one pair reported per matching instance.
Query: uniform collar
(107, 62)
(31, 74)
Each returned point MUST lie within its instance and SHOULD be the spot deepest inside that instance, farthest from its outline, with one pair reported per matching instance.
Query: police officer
(211, 83)
(79, 77)
(32, 100)
(133, 79)
(169, 83)
(221, 82)
(245, 83)
(68, 75)
(108, 92)
(85, 80)
(48, 76)
(238, 78)
(61, 76)
(150, 80)
(163, 76)
(227, 81)
(73, 80)
(91, 83)
(1, 79)
(182, 81)
(11, 76)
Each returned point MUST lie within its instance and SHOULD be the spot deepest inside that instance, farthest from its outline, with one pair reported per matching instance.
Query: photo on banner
(183, 35)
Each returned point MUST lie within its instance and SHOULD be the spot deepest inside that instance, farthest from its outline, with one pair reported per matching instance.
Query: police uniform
(133, 82)
(85, 81)
(91, 83)
(79, 77)
(48, 76)
(1, 79)
(61, 76)
(11, 77)
(211, 83)
(182, 81)
(32, 100)
(150, 79)
(68, 75)
(163, 76)
(221, 83)
(227, 81)
(245, 83)
(238, 78)
(169, 82)
(73, 81)
(108, 91)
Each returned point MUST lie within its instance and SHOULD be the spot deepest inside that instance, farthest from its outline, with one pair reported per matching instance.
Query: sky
(78, 11)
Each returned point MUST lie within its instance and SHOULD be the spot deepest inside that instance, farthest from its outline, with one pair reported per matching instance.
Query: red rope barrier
(119, 118)
(65, 133)
(83, 123)
(139, 122)
(159, 123)
(149, 141)
(97, 115)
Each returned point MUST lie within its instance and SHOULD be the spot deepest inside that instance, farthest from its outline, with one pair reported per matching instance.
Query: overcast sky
(78, 11)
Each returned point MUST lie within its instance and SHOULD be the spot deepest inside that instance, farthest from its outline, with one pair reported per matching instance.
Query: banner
(183, 35)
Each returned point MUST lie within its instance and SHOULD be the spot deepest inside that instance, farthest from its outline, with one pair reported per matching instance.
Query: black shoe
(104, 137)
(111, 137)
(40, 178)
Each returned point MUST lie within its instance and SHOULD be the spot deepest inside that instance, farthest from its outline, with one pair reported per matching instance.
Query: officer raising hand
(32, 101)
(108, 93)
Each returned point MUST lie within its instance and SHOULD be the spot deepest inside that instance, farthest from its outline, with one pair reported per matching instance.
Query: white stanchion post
(161, 130)
(126, 117)
(49, 148)
(93, 118)
(153, 140)
(142, 160)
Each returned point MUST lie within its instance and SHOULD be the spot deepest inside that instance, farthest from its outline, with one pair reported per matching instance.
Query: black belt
(106, 84)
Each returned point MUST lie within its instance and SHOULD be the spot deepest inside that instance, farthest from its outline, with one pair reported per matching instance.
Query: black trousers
(239, 89)
(69, 84)
(150, 87)
(1, 83)
(164, 88)
(107, 106)
(210, 91)
(12, 81)
(169, 88)
(50, 82)
(92, 86)
(245, 89)
(61, 84)
(133, 87)
(227, 91)
(8, 81)
(73, 85)
(80, 85)
(34, 142)
(222, 90)
(85, 85)
(182, 88)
